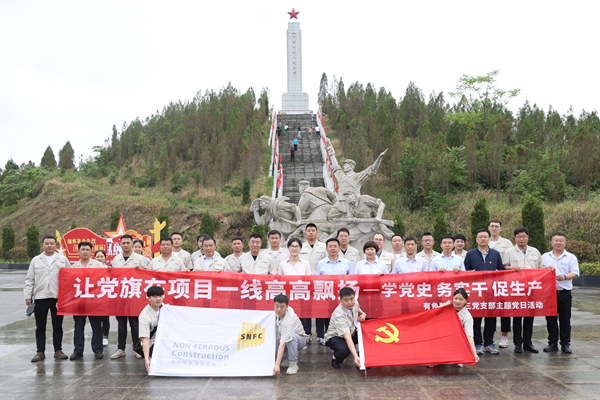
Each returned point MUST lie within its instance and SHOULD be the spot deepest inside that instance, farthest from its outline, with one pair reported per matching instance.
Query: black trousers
(105, 321)
(307, 325)
(340, 347)
(504, 324)
(322, 325)
(122, 331)
(488, 331)
(42, 307)
(563, 306)
(524, 325)
(79, 334)
(292, 158)
(295, 147)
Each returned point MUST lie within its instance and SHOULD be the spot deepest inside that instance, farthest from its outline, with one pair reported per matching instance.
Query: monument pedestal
(294, 103)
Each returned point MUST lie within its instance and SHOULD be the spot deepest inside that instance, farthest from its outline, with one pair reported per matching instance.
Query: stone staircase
(309, 161)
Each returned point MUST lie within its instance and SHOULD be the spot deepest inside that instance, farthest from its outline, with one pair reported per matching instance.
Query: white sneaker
(459, 365)
(137, 355)
(105, 342)
(293, 368)
(118, 354)
(321, 341)
(309, 340)
(285, 362)
(503, 342)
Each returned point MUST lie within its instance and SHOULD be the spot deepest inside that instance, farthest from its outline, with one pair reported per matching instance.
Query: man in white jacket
(41, 283)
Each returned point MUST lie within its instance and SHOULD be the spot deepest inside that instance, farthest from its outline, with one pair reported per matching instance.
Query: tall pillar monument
(294, 101)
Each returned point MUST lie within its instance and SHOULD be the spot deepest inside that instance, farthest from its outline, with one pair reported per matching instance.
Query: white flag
(193, 341)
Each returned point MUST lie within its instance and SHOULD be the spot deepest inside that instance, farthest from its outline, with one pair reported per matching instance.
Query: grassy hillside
(89, 202)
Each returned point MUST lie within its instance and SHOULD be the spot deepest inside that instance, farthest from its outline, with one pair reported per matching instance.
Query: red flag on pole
(421, 338)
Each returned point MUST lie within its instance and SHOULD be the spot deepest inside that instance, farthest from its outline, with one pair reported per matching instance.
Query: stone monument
(361, 214)
(294, 101)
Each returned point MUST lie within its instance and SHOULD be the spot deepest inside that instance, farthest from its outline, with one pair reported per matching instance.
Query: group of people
(294, 149)
(313, 257)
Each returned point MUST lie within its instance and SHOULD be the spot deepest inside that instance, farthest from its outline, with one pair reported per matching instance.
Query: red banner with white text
(121, 291)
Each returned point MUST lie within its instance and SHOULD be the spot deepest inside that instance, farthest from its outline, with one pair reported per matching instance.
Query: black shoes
(566, 349)
(335, 363)
(98, 355)
(530, 348)
(75, 356)
(550, 347)
(518, 348)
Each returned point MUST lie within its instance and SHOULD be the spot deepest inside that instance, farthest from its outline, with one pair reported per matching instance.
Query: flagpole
(361, 348)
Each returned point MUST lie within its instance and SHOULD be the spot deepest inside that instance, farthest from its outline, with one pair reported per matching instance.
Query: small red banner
(420, 338)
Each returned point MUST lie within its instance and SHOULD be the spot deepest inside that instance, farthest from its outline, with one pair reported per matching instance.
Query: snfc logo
(251, 335)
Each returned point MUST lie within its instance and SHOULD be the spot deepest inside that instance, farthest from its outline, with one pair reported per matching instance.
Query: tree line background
(439, 148)
(203, 141)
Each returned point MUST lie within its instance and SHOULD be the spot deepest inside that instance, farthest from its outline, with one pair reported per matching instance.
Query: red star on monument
(294, 14)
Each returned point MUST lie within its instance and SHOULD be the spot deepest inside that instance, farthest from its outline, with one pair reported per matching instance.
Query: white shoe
(285, 362)
(459, 365)
(118, 354)
(293, 368)
(137, 355)
(105, 342)
(309, 340)
(321, 341)
(503, 342)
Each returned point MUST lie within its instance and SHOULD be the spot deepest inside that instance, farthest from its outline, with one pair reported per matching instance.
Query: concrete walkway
(507, 376)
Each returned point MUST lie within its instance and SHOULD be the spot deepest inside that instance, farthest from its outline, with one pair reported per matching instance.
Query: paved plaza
(507, 376)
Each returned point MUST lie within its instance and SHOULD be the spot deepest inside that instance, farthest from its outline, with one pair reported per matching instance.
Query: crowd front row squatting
(311, 257)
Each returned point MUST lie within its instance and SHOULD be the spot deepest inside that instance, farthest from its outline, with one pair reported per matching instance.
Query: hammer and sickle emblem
(392, 337)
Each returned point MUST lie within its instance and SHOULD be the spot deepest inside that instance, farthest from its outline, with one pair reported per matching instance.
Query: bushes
(207, 224)
(114, 219)
(589, 269)
(440, 228)
(399, 228)
(179, 180)
(163, 217)
(246, 191)
(187, 246)
(8, 241)
(532, 215)
(480, 217)
(33, 241)
(18, 254)
(584, 252)
(225, 249)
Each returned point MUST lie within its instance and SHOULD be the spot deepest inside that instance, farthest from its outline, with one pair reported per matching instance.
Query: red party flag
(420, 338)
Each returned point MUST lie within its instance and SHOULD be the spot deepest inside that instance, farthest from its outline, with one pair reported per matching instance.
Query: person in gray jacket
(41, 284)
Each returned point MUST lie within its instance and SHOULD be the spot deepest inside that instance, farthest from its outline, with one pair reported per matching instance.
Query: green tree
(323, 90)
(246, 191)
(163, 217)
(532, 215)
(480, 218)
(114, 219)
(480, 102)
(48, 160)
(440, 228)
(399, 228)
(33, 241)
(207, 224)
(66, 157)
(8, 240)
(74, 225)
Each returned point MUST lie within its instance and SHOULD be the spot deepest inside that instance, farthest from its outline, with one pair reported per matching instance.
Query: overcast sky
(70, 70)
